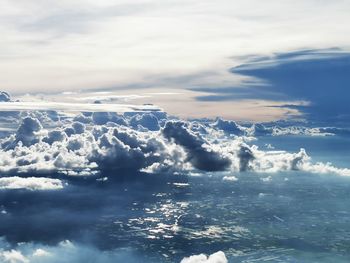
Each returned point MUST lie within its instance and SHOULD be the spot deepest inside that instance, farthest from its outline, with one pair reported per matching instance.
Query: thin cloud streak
(77, 107)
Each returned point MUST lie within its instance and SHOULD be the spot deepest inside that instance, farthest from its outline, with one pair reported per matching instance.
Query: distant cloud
(319, 77)
(78, 107)
(64, 252)
(30, 183)
(151, 142)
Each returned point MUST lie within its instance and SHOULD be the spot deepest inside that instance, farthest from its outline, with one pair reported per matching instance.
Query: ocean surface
(252, 217)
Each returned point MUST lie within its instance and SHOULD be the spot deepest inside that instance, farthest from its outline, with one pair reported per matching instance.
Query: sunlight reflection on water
(251, 219)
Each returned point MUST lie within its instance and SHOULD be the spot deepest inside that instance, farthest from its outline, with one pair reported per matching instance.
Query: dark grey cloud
(229, 127)
(147, 120)
(320, 77)
(27, 131)
(198, 155)
(4, 96)
(55, 136)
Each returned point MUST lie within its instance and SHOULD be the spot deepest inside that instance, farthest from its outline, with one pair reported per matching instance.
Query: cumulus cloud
(273, 129)
(260, 129)
(147, 120)
(13, 256)
(30, 183)
(229, 127)
(55, 136)
(64, 252)
(101, 118)
(27, 131)
(200, 154)
(91, 143)
(67, 252)
(218, 257)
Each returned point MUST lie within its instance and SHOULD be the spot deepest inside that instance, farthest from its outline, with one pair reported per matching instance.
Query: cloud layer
(37, 253)
(90, 144)
(64, 252)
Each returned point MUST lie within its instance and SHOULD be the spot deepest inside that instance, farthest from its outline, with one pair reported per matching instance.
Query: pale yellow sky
(180, 103)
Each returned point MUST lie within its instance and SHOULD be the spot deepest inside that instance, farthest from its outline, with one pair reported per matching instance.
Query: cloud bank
(37, 253)
(75, 252)
(93, 143)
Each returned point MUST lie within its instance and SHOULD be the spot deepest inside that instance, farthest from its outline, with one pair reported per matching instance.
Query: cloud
(304, 75)
(28, 130)
(199, 152)
(143, 142)
(30, 183)
(229, 127)
(274, 129)
(147, 120)
(218, 257)
(4, 96)
(55, 136)
(246, 156)
(77, 107)
(67, 252)
(101, 118)
(198, 39)
(13, 256)
(63, 252)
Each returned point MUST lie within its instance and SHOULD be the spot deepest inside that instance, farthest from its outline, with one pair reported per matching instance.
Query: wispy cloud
(77, 107)
(90, 44)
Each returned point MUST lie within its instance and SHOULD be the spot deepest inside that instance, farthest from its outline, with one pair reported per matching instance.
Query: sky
(170, 47)
(174, 131)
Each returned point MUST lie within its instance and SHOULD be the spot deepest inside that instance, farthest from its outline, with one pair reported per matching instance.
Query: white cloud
(13, 256)
(230, 178)
(41, 253)
(124, 143)
(218, 257)
(30, 183)
(77, 107)
(64, 252)
(67, 252)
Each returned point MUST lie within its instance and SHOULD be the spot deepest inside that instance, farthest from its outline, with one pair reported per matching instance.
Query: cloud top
(30, 183)
(218, 257)
(92, 144)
